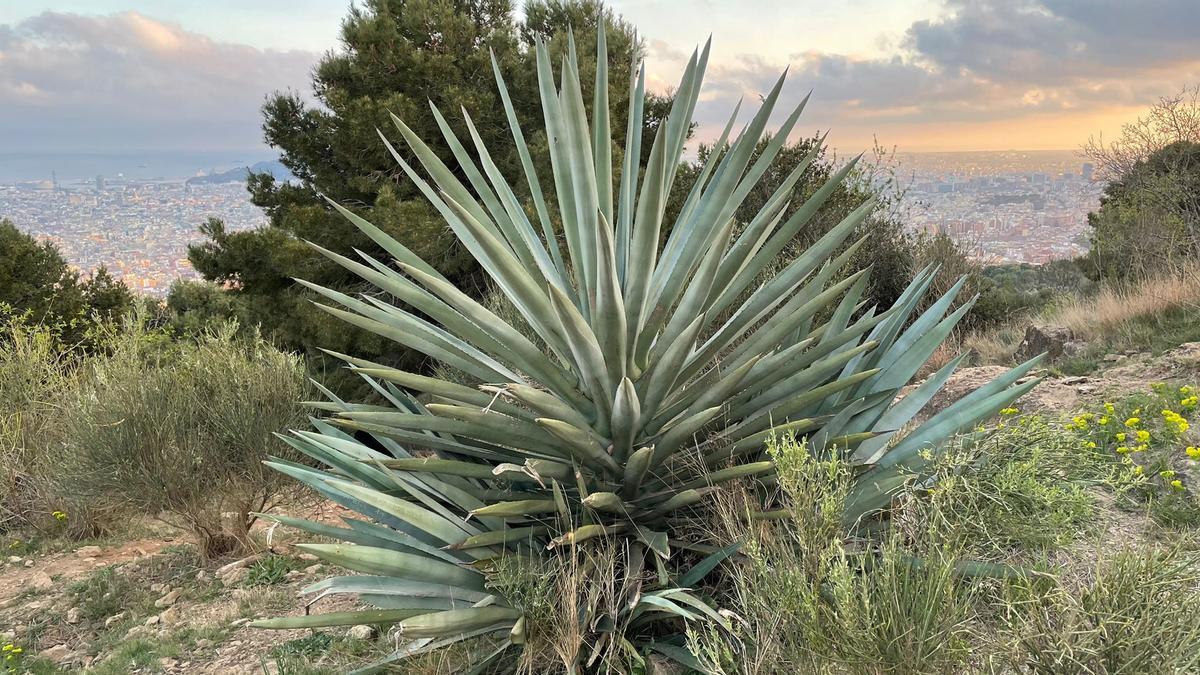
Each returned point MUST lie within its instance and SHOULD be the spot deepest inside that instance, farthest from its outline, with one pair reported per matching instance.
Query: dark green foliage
(891, 250)
(37, 284)
(180, 428)
(194, 306)
(398, 56)
(1009, 291)
(271, 570)
(1149, 218)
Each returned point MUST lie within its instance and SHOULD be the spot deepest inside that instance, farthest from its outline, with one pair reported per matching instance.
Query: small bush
(271, 570)
(1021, 489)
(1145, 440)
(36, 368)
(808, 599)
(183, 428)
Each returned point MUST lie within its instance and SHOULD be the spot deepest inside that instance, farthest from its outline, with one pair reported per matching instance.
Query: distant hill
(238, 175)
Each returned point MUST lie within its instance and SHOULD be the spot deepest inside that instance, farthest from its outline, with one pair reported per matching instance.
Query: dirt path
(59, 569)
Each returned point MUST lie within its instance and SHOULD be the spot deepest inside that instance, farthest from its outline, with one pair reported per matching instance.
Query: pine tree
(397, 57)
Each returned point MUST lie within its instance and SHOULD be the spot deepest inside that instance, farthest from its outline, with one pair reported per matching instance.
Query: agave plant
(645, 375)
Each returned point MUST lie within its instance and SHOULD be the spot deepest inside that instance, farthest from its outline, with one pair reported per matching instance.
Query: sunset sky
(106, 75)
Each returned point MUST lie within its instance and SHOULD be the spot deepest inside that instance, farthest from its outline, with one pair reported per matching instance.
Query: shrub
(271, 570)
(1144, 438)
(1023, 489)
(35, 371)
(810, 598)
(183, 428)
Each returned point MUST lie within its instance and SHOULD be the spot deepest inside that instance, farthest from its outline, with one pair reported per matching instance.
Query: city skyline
(1005, 207)
(923, 75)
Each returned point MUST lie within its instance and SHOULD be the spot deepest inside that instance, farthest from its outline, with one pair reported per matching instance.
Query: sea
(18, 167)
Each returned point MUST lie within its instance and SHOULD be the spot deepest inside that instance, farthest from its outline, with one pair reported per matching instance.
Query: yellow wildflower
(1143, 436)
(1091, 445)
(1138, 470)
(1141, 448)
(1120, 437)
(1123, 450)
(1133, 422)
(1168, 474)
(1177, 484)
(1103, 421)
(1108, 408)
(1009, 411)
(1193, 452)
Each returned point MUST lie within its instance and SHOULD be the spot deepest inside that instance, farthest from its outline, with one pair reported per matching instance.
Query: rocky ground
(148, 605)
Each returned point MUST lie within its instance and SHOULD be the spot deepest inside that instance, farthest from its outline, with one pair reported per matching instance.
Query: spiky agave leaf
(649, 354)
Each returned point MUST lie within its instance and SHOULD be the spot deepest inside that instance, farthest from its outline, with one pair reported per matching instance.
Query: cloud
(982, 61)
(128, 82)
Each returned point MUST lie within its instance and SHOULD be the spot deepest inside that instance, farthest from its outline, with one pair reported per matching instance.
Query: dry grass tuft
(1114, 308)
(1126, 316)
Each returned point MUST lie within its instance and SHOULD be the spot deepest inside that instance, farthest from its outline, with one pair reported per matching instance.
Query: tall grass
(35, 369)
(1155, 313)
(1136, 614)
(1113, 310)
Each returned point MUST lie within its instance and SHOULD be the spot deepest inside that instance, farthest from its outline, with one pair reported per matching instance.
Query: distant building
(1086, 170)
(100, 183)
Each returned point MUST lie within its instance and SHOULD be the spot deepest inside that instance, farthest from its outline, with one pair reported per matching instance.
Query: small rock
(169, 615)
(235, 576)
(293, 575)
(152, 621)
(158, 588)
(308, 557)
(202, 576)
(1049, 339)
(361, 632)
(1074, 347)
(57, 653)
(204, 643)
(114, 620)
(237, 623)
(314, 569)
(236, 565)
(73, 615)
(89, 552)
(39, 580)
(168, 663)
(167, 600)
(29, 563)
(14, 559)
